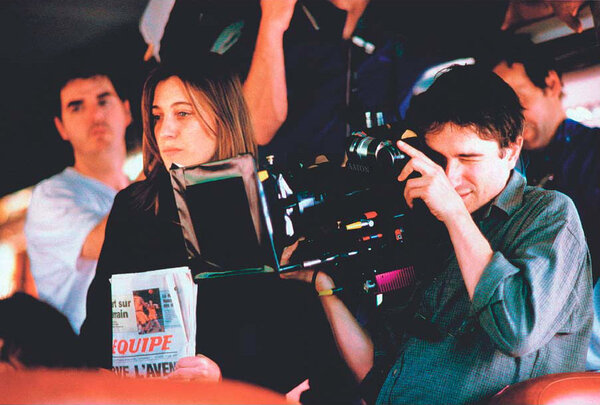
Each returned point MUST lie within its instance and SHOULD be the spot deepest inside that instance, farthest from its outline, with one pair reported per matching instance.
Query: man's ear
(513, 150)
(553, 84)
(61, 129)
(127, 111)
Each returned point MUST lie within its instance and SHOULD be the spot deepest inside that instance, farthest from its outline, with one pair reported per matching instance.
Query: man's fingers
(509, 17)
(410, 150)
(415, 188)
(521, 11)
(422, 165)
(406, 171)
(408, 199)
(421, 162)
(566, 11)
(572, 22)
(418, 182)
(412, 193)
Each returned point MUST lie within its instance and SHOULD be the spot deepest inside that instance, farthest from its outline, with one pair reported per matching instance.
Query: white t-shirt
(63, 210)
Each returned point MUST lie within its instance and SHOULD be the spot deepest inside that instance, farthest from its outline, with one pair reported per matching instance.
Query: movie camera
(353, 219)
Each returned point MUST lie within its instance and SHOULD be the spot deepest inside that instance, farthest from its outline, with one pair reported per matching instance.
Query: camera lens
(364, 147)
(390, 159)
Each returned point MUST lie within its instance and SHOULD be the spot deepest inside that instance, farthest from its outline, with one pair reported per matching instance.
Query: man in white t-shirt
(67, 214)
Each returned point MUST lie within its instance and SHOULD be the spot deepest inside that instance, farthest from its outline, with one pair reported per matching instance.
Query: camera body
(354, 219)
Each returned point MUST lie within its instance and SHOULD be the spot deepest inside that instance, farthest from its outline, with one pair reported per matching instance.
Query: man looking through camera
(511, 299)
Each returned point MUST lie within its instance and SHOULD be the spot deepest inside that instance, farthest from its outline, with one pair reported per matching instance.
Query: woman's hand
(197, 368)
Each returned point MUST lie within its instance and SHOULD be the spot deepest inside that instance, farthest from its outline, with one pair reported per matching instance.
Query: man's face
(477, 168)
(543, 110)
(94, 118)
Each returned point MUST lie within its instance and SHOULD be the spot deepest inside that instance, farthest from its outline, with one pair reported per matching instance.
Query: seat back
(102, 387)
(561, 388)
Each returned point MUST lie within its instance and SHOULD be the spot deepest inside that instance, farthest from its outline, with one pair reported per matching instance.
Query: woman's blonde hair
(210, 81)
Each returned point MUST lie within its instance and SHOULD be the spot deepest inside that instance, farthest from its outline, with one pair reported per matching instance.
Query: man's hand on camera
(197, 368)
(433, 187)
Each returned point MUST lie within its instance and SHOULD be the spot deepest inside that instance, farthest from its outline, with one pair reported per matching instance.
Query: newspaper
(153, 321)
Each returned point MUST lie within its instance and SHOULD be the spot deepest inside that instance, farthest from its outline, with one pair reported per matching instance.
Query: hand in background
(522, 11)
(355, 9)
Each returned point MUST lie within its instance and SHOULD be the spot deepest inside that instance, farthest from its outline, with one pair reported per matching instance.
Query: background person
(67, 214)
(34, 334)
(560, 153)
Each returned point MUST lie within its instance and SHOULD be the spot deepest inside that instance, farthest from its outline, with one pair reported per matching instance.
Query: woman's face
(182, 136)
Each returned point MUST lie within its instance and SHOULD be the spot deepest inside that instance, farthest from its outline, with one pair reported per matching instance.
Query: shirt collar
(561, 134)
(511, 197)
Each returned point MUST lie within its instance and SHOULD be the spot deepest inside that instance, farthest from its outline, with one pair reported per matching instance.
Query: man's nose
(97, 113)
(453, 172)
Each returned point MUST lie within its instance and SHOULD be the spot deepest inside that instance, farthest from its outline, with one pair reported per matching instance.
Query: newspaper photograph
(153, 321)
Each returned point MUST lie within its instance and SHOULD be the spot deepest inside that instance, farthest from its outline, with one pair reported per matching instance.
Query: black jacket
(258, 328)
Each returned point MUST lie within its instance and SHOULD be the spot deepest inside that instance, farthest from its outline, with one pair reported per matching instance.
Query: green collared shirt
(531, 312)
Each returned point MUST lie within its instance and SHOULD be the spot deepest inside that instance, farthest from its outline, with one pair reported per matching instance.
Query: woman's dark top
(258, 328)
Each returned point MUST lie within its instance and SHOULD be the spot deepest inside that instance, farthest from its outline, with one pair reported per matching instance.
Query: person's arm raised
(265, 88)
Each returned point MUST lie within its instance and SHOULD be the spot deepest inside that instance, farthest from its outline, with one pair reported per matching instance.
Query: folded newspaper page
(153, 321)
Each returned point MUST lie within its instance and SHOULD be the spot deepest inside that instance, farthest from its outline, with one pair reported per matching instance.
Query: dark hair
(36, 334)
(511, 48)
(468, 96)
(206, 78)
(84, 71)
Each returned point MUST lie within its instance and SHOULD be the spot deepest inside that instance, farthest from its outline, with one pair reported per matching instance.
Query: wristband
(313, 281)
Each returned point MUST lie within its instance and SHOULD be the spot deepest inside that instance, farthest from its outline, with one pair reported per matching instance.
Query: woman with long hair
(257, 328)
(192, 113)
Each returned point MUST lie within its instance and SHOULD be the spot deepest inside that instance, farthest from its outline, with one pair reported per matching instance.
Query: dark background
(40, 38)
